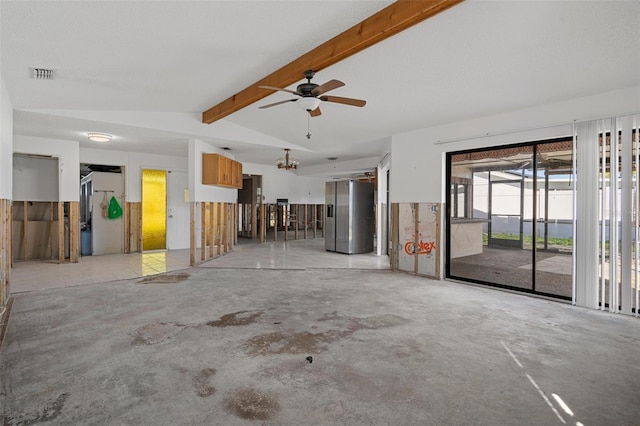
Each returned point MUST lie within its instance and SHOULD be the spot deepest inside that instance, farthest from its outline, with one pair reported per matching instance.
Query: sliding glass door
(515, 230)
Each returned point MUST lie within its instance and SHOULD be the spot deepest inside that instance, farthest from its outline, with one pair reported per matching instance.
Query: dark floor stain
(151, 334)
(235, 319)
(292, 343)
(201, 382)
(164, 278)
(305, 342)
(251, 404)
(50, 411)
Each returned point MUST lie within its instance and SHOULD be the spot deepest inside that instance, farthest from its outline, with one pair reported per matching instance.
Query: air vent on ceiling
(43, 73)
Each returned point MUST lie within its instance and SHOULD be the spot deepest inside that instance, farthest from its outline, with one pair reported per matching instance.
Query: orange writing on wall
(424, 247)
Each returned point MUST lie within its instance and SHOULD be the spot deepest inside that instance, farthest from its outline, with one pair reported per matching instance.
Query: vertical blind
(607, 222)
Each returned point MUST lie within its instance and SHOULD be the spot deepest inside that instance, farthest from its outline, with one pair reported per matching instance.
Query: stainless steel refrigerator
(349, 222)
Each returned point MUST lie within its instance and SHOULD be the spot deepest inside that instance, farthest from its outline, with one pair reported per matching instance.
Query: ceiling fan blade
(316, 112)
(277, 103)
(282, 90)
(346, 101)
(329, 85)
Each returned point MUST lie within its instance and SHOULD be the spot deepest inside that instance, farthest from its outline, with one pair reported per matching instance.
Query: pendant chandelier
(286, 162)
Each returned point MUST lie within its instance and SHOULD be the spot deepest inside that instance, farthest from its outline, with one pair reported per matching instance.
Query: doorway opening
(99, 233)
(249, 202)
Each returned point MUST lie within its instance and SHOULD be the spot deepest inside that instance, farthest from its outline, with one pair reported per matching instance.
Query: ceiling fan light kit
(287, 163)
(309, 103)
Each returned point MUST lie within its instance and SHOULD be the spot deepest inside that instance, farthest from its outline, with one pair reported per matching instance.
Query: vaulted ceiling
(145, 71)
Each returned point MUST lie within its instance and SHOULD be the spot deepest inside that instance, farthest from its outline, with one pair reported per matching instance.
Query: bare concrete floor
(233, 344)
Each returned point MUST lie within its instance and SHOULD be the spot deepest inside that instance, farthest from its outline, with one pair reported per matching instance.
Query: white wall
(275, 183)
(35, 178)
(133, 164)
(198, 191)
(278, 183)
(104, 157)
(6, 143)
(67, 153)
(418, 157)
(138, 162)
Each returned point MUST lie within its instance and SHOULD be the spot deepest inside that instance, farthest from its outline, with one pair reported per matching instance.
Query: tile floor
(35, 276)
(296, 254)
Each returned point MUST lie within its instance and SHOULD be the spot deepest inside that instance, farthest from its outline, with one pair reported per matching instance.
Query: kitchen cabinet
(221, 171)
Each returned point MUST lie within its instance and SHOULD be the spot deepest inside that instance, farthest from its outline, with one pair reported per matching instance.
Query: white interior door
(177, 210)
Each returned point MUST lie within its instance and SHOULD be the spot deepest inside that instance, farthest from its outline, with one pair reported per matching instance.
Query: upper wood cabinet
(221, 171)
(236, 174)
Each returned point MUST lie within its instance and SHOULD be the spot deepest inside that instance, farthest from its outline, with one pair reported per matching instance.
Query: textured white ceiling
(151, 64)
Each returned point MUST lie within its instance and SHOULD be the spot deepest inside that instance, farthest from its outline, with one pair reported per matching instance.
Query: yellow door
(154, 209)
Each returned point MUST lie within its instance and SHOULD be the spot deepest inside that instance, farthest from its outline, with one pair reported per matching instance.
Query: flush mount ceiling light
(99, 137)
(286, 162)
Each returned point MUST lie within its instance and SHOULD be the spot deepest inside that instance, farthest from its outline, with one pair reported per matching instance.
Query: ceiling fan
(311, 95)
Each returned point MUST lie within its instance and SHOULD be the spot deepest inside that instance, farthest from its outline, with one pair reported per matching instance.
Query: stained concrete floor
(229, 344)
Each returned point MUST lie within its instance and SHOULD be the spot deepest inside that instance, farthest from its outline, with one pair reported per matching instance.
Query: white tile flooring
(293, 254)
(41, 275)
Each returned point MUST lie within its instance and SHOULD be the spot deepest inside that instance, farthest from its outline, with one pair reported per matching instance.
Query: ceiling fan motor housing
(305, 89)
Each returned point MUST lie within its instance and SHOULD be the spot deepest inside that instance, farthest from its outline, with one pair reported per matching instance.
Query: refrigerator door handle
(329, 210)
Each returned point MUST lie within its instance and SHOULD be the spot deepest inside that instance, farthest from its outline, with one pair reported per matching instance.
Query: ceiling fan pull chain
(309, 125)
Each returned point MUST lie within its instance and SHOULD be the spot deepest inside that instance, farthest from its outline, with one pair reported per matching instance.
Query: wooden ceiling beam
(379, 26)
